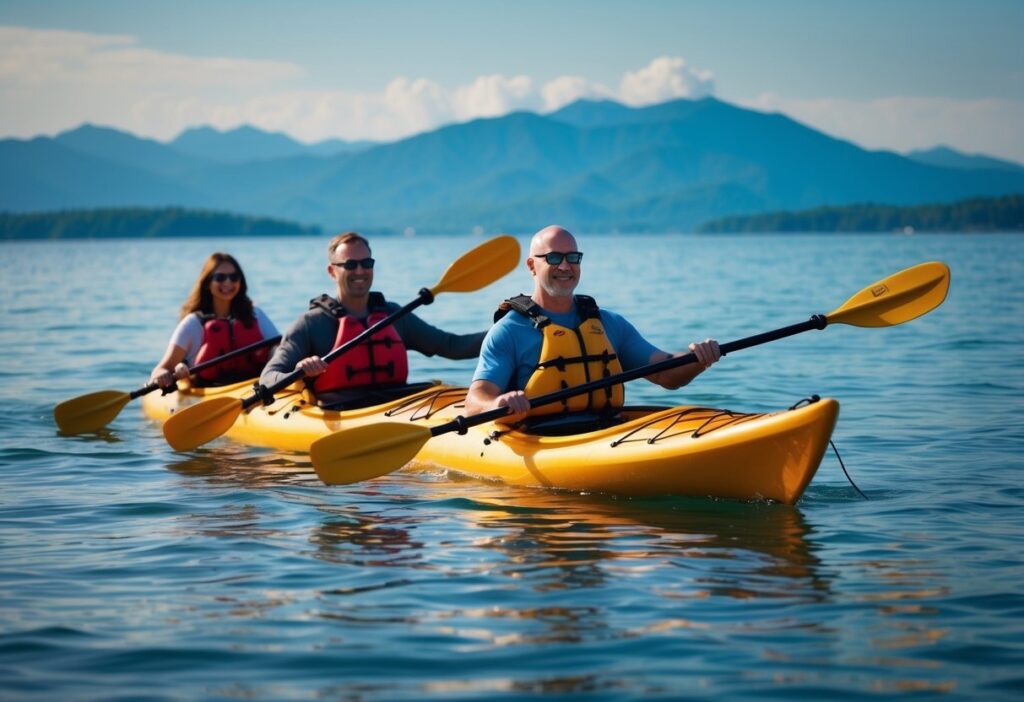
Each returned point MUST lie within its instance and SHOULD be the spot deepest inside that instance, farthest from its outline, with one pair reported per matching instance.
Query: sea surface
(131, 572)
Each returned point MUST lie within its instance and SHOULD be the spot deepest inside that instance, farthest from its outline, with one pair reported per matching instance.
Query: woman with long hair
(217, 317)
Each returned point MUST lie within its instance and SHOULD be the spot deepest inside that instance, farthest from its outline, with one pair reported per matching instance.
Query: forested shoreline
(998, 214)
(115, 223)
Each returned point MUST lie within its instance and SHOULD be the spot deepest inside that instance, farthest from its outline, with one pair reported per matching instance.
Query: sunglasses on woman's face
(554, 258)
(350, 264)
(221, 277)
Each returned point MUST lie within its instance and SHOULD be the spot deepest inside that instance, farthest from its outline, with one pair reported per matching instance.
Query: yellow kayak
(656, 451)
(294, 421)
(681, 450)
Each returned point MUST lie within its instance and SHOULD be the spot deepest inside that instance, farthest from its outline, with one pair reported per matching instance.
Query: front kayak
(681, 450)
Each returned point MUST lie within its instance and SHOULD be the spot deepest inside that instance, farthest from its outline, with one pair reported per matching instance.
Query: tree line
(114, 223)
(998, 214)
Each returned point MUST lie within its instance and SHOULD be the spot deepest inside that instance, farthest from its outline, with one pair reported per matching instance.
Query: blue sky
(899, 75)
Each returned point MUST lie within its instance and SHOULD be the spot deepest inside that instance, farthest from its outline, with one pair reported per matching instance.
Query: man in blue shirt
(510, 362)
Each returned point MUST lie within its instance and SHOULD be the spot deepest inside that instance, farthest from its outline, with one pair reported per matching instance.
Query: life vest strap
(376, 303)
(561, 361)
(586, 308)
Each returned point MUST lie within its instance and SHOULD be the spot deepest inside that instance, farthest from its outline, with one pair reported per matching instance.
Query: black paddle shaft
(145, 390)
(461, 424)
(266, 394)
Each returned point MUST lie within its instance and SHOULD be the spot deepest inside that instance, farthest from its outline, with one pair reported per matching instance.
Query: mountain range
(593, 165)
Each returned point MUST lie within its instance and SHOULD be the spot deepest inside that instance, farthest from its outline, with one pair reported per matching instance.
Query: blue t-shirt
(511, 348)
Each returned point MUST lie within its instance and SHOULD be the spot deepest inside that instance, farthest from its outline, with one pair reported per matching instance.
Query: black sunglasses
(221, 277)
(554, 258)
(350, 264)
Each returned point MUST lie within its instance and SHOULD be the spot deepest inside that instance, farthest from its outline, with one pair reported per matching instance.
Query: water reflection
(554, 541)
(370, 540)
(545, 540)
(104, 434)
(247, 467)
(347, 534)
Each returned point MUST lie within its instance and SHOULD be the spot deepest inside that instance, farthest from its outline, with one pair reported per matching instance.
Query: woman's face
(225, 282)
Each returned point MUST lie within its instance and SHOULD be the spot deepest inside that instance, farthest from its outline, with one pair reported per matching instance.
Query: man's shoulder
(607, 314)
(314, 315)
(509, 332)
(511, 322)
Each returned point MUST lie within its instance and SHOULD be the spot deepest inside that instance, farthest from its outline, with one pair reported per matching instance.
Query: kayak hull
(681, 450)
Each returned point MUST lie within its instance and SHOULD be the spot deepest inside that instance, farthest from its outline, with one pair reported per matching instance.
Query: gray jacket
(314, 333)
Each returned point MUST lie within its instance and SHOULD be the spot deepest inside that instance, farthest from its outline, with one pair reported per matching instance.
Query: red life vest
(379, 360)
(223, 335)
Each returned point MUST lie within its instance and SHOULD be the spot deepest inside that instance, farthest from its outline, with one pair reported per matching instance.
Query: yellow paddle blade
(370, 451)
(480, 266)
(89, 412)
(897, 299)
(194, 426)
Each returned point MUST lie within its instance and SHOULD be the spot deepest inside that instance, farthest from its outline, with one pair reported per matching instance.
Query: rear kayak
(294, 421)
(656, 451)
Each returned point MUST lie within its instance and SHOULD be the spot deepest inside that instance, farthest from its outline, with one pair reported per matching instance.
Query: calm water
(132, 572)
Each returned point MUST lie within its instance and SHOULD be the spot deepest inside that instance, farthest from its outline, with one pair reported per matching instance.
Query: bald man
(554, 339)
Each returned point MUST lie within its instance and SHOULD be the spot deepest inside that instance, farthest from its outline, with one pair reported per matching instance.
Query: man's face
(557, 280)
(354, 283)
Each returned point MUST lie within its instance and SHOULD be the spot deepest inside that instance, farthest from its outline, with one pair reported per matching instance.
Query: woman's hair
(200, 299)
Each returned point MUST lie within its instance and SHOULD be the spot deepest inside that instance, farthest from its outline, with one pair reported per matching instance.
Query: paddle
(481, 266)
(369, 451)
(93, 411)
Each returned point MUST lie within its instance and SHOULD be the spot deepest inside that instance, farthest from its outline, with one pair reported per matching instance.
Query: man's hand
(311, 367)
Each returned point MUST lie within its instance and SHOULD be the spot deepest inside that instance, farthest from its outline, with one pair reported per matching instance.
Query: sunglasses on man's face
(350, 264)
(221, 277)
(554, 258)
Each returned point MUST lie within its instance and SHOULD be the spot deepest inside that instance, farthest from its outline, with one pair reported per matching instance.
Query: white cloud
(898, 123)
(51, 80)
(494, 95)
(665, 78)
(40, 58)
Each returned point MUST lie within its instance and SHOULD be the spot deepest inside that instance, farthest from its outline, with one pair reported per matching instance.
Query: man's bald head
(553, 238)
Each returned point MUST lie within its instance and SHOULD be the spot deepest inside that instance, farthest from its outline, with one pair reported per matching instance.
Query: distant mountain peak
(237, 145)
(948, 157)
(87, 128)
(248, 143)
(588, 112)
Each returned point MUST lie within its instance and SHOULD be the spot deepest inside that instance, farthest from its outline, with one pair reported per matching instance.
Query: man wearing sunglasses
(375, 366)
(554, 339)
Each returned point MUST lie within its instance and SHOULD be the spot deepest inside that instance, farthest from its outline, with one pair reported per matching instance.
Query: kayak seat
(567, 424)
(357, 398)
